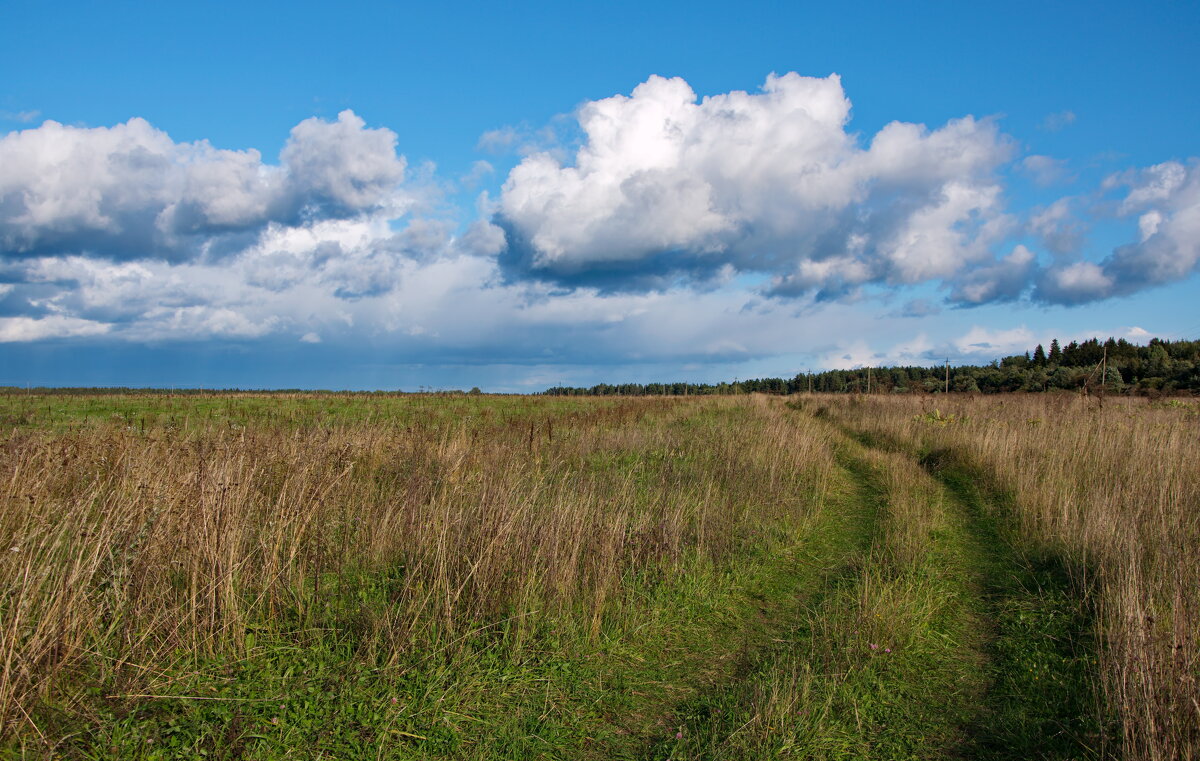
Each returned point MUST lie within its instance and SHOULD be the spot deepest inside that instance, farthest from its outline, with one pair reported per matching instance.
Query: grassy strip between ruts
(884, 665)
(1043, 698)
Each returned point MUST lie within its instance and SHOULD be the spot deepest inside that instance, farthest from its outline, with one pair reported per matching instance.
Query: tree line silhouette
(1114, 366)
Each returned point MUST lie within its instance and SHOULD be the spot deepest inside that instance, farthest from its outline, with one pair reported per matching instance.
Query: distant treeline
(1113, 366)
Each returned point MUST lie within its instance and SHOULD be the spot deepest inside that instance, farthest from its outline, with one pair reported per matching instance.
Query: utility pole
(947, 375)
(1103, 374)
(868, 379)
(809, 374)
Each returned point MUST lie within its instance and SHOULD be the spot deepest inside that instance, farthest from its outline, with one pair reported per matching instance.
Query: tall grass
(1113, 490)
(129, 549)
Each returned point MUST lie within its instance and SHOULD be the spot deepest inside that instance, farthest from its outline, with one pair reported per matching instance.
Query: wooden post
(947, 375)
(1103, 374)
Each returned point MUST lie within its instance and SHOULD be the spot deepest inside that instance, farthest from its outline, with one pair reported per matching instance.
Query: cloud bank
(1165, 199)
(667, 186)
(716, 229)
(130, 192)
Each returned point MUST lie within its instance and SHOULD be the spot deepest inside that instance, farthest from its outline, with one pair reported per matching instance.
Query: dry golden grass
(124, 548)
(1115, 490)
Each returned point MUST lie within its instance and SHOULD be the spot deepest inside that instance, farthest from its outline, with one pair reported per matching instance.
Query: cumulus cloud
(131, 192)
(1165, 199)
(665, 186)
(1005, 280)
(342, 165)
(1057, 227)
(683, 230)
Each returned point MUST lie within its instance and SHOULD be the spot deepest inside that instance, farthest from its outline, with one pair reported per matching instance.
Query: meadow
(362, 576)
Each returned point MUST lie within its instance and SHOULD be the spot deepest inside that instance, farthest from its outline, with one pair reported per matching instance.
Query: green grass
(895, 617)
(513, 690)
(41, 410)
(1043, 701)
(880, 663)
(944, 644)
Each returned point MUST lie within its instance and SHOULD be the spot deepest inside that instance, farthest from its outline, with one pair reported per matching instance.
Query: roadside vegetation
(471, 577)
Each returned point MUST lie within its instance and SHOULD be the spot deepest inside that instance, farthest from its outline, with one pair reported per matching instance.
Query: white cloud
(858, 354)
(980, 342)
(1166, 198)
(21, 329)
(1150, 186)
(770, 182)
(1003, 281)
(1077, 282)
(130, 192)
(917, 308)
(342, 163)
(201, 321)
(667, 224)
(1057, 228)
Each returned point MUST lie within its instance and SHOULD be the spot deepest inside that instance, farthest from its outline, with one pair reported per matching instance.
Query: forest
(1114, 366)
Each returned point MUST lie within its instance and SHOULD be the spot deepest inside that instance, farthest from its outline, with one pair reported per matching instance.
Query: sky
(380, 195)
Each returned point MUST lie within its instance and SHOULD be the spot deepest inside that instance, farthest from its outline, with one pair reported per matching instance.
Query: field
(376, 576)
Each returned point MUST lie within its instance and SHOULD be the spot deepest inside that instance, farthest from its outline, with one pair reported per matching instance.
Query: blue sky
(377, 195)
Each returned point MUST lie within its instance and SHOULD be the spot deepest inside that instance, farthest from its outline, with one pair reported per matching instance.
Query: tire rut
(1040, 652)
(836, 546)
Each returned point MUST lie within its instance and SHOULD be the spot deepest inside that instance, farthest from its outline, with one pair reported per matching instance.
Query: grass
(473, 577)
(930, 643)
(183, 561)
(1108, 496)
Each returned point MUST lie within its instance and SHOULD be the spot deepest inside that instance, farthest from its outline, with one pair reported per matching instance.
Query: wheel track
(839, 542)
(1042, 700)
